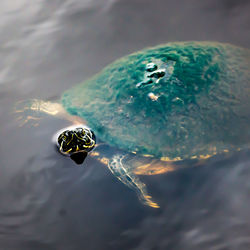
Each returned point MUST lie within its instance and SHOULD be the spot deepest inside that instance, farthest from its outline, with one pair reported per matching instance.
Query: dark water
(48, 202)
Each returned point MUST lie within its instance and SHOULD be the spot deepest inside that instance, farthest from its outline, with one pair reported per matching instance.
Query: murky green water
(49, 202)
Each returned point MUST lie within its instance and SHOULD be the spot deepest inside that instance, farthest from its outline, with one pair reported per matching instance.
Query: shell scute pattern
(200, 103)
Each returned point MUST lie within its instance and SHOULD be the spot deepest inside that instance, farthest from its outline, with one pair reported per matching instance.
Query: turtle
(149, 112)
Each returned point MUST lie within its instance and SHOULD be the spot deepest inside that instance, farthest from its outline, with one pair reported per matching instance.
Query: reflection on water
(49, 202)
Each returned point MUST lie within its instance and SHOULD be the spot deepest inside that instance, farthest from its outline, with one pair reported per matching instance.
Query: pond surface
(49, 202)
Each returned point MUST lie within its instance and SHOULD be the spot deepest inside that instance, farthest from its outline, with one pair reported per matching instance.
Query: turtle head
(76, 140)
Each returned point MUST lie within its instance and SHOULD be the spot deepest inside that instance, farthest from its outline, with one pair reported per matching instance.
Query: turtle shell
(177, 100)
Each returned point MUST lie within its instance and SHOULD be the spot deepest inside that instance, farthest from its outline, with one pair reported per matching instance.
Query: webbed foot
(120, 170)
(27, 113)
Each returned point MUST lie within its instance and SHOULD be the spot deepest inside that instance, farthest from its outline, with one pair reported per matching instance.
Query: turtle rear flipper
(119, 169)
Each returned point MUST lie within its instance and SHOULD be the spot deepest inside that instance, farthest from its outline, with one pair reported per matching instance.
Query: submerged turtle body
(174, 101)
(183, 100)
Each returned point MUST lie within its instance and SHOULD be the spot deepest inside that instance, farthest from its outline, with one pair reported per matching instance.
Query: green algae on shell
(201, 105)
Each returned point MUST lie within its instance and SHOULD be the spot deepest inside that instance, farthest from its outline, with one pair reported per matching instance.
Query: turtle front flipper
(28, 112)
(120, 170)
(32, 111)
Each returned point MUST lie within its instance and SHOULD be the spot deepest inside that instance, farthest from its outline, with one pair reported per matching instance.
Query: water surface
(47, 201)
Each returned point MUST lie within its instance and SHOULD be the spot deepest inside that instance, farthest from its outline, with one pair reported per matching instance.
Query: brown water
(47, 201)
